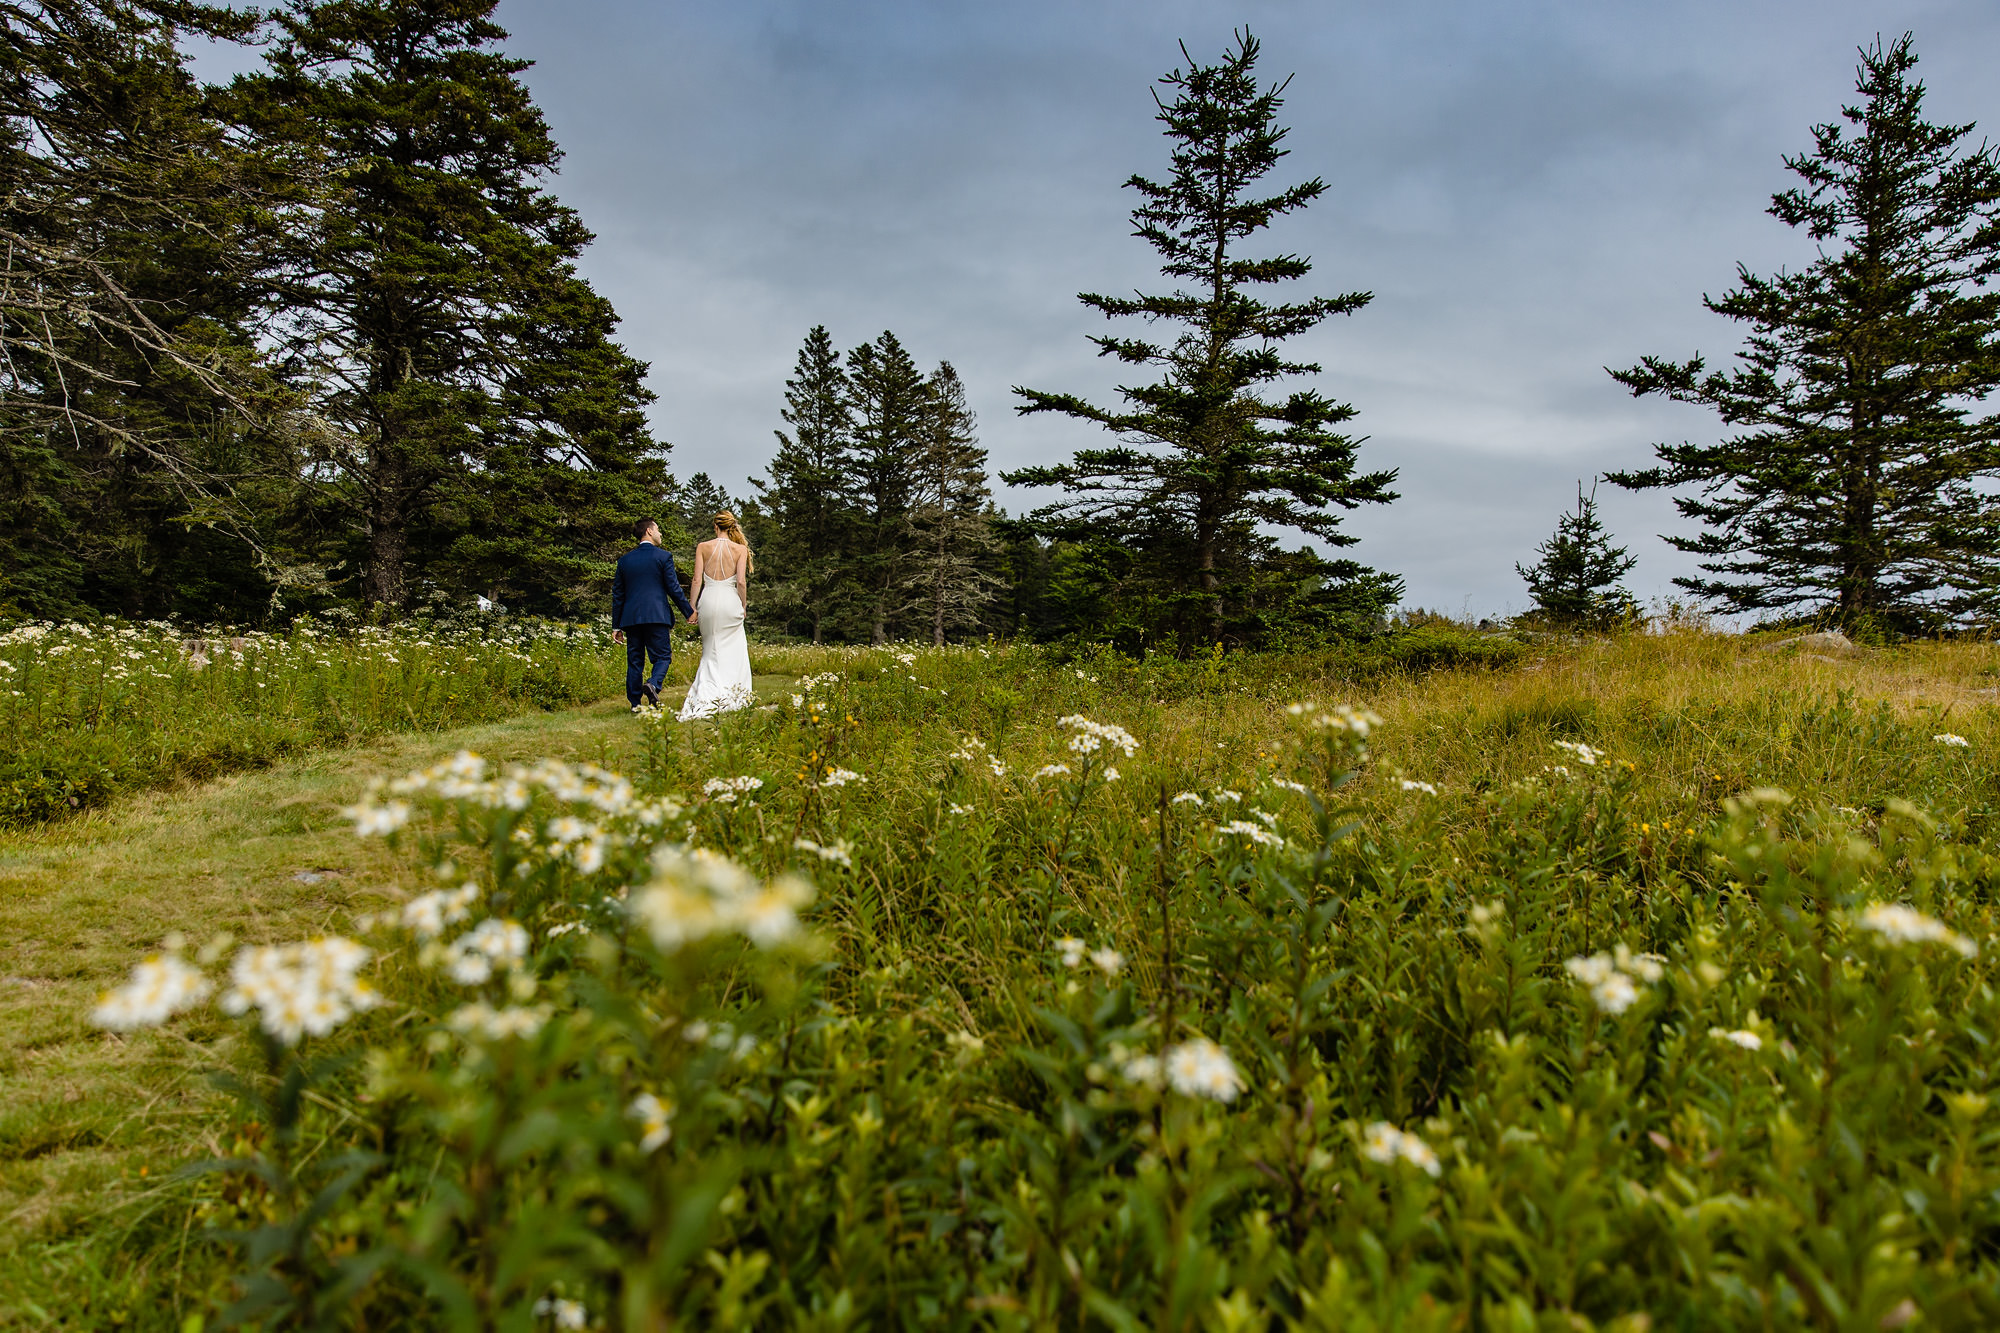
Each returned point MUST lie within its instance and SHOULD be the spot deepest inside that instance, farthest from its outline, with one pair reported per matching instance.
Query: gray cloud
(1532, 192)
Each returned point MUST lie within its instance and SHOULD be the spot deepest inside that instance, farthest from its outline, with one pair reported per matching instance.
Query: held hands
(693, 616)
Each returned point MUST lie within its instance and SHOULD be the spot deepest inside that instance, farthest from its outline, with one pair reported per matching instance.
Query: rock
(1825, 641)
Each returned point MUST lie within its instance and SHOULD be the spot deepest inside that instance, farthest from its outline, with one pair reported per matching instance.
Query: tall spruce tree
(1575, 577)
(1208, 455)
(891, 405)
(462, 365)
(809, 494)
(1859, 485)
(132, 464)
(696, 502)
(949, 577)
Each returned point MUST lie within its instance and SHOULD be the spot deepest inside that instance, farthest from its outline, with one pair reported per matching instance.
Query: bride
(721, 591)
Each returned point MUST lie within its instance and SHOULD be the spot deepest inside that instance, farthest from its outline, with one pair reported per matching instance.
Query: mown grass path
(90, 1121)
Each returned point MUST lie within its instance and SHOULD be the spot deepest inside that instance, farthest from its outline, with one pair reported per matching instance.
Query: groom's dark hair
(640, 525)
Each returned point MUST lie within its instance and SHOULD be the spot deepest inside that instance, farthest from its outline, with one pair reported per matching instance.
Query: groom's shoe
(651, 691)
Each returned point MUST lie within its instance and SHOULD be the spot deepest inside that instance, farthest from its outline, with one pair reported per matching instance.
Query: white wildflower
(840, 777)
(1256, 833)
(1145, 1070)
(565, 1313)
(1053, 771)
(1383, 1142)
(376, 820)
(300, 990)
(1612, 988)
(1188, 798)
(1947, 738)
(1108, 960)
(485, 1023)
(1200, 1068)
(1424, 787)
(1091, 735)
(428, 914)
(698, 893)
(1341, 719)
(727, 790)
(958, 809)
(1743, 1037)
(1289, 785)
(160, 987)
(655, 1119)
(1585, 755)
(838, 853)
(493, 944)
(1900, 924)
(1071, 948)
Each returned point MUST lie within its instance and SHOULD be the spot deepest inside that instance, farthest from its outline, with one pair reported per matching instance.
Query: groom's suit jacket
(642, 586)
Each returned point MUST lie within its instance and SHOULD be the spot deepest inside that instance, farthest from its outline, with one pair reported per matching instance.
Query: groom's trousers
(641, 642)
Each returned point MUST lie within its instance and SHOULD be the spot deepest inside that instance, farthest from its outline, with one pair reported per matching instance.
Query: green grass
(933, 1128)
(88, 712)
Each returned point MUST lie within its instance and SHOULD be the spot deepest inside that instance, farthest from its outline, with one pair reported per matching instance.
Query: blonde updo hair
(726, 523)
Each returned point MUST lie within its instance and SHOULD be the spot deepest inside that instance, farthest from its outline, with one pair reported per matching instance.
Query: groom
(640, 591)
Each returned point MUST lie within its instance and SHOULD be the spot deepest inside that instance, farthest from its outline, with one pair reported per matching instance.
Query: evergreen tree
(890, 405)
(1575, 581)
(1859, 486)
(131, 394)
(479, 414)
(1208, 455)
(809, 495)
(696, 502)
(948, 579)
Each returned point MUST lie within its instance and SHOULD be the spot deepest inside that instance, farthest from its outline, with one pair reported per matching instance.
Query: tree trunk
(388, 536)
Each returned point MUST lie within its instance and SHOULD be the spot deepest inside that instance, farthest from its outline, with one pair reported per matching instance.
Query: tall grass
(1649, 984)
(89, 711)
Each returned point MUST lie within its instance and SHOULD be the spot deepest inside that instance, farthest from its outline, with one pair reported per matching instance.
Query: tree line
(316, 336)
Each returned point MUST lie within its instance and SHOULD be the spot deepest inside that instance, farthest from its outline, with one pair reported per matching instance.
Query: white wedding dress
(722, 681)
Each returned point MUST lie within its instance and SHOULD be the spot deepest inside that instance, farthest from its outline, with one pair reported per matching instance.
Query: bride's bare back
(720, 560)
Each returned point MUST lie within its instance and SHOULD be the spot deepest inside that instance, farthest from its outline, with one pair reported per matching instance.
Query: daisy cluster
(1072, 951)
(1196, 1068)
(1614, 978)
(482, 1022)
(300, 990)
(494, 945)
(1899, 924)
(809, 684)
(584, 843)
(726, 790)
(1584, 754)
(655, 1119)
(696, 893)
(1093, 736)
(1260, 834)
(1383, 1142)
(973, 752)
(1339, 720)
(428, 914)
(161, 986)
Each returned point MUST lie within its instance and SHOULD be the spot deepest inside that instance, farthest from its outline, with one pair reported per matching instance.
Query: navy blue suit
(644, 592)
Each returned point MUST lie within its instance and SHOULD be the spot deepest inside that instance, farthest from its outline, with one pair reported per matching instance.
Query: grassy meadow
(90, 711)
(1636, 983)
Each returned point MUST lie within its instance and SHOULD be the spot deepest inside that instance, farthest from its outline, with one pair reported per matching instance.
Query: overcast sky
(1532, 191)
